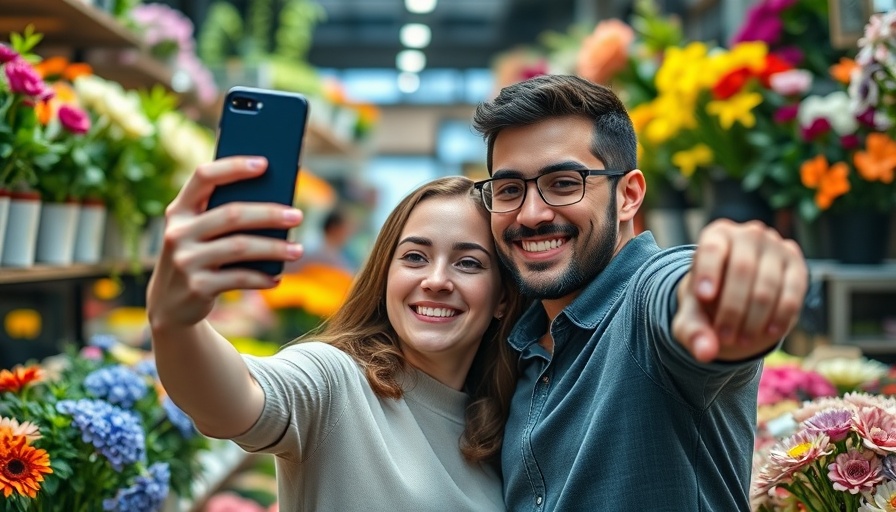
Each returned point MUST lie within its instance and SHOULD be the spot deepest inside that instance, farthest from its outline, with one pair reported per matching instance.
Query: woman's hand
(188, 276)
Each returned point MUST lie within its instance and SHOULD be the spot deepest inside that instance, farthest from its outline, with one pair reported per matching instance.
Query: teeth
(542, 246)
(437, 312)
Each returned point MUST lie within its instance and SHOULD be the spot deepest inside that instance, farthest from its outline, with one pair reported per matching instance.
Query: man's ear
(630, 194)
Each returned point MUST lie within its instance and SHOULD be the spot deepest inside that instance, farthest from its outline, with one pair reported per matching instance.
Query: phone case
(273, 128)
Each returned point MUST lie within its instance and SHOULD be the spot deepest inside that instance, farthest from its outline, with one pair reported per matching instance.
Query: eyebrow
(459, 246)
(569, 165)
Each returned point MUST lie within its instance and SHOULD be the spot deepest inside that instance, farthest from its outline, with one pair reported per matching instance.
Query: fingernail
(291, 215)
(704, 288)
(702, 344)
(255, 163)
(294, 250)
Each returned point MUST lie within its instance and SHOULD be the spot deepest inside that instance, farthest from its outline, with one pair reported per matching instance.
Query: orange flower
(19, 377)
(64, 95)
(829, 182)
(842, 70)
(879, 159)
(22, 466)
(605, 51)
(54, 68)
(316, 288)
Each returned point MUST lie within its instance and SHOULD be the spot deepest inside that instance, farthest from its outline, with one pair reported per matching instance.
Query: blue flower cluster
(178, 418)
(147, 494)
(115, 432)
(117, 385)
(103, 341)
(147, 367)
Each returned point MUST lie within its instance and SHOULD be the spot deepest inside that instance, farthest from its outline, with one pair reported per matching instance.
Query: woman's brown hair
(362, 329)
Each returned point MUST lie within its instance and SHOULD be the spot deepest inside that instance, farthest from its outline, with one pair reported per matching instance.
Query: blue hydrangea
(116, 433)
(889, 466)
(178, 418)
(147, 367)
(103, 341)
(118, 385)
(147, 494)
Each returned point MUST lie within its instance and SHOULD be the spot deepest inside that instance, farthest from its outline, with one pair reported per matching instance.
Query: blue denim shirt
(620, 416)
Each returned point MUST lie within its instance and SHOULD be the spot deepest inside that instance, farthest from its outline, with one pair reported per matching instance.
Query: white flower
(835, 107)
(881, 500)
(790, 82)
(851, 373)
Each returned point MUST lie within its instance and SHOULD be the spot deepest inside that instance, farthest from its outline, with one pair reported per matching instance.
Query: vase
(89, 237)
(726, 199)
(21, 230)
(56, 233)
(859, 237)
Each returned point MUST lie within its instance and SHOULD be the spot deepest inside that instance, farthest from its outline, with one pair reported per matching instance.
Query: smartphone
(268, 123)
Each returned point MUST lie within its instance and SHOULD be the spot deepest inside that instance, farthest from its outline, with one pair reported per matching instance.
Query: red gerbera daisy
(19, 377)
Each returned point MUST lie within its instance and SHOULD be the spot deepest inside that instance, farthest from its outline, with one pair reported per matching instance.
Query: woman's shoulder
(315, 350)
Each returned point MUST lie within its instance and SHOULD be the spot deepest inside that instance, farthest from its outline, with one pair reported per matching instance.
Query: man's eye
(507, 190)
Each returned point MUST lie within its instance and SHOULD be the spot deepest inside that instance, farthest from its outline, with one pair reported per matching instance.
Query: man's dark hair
(613, 139)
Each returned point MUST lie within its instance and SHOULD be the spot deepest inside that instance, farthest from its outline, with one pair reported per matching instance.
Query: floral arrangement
(822, 432)
(93, 430)
(841, 456)
(34, 133)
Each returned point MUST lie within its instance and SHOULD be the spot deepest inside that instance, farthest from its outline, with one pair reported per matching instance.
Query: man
(639, 367)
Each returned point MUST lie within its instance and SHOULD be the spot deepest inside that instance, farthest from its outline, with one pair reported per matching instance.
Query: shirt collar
(587, 310)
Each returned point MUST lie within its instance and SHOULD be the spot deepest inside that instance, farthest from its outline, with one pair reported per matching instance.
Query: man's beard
(582, 269)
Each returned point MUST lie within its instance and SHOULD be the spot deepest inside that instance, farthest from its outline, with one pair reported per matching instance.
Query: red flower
(19, 377)
(731, 83)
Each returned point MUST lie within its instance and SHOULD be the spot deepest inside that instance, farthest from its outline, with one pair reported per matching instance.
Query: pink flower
(231, 502)
(835, 423)
(786, 113)
(23, 79)
(791, 82)
(74, 119)
(855, 471)
(605, 51)
(877, 427)
(7, 54)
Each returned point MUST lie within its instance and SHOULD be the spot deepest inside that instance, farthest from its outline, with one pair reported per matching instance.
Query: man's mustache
(548, 229)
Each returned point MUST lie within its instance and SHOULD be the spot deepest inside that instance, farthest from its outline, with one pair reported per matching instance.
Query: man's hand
(744, 292)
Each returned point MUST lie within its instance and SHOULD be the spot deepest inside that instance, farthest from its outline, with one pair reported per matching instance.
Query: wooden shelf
(42, 273)
(70, 22)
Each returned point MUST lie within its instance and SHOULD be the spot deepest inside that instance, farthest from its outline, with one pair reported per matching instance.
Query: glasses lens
(504, 195)
(561, 188)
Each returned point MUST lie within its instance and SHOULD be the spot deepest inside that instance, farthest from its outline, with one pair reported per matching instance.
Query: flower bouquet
(841, 456)
(93, 431)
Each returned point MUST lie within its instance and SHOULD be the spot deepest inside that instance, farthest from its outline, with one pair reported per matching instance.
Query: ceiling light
(420, 6)
(408, 82)
(412, 61)
(415, 35)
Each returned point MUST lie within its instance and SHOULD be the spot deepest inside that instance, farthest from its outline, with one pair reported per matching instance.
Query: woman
(398, 402)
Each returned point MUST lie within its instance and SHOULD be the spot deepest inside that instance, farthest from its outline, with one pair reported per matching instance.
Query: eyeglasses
(562, 187)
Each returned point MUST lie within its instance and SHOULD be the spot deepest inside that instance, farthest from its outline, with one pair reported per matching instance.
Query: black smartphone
(268, 123)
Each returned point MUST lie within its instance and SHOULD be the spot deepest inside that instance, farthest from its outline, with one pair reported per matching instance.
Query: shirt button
(538, 500)
(545, 379)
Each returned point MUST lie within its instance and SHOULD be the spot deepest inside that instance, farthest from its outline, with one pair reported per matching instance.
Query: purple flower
(7, 54)
(117, 385)
(850, 142)
(835, 423)
(818, 127)
(786, 113)
(889, 466)
(147, 494)
(74, 119)
(178, 418)
(762, 24)
(115, 433)
(23, 79)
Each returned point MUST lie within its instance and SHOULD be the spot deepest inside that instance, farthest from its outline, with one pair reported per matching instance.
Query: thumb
(692, 328)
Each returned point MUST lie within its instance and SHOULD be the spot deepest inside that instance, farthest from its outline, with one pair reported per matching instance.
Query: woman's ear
(630, 194)
(501, 308)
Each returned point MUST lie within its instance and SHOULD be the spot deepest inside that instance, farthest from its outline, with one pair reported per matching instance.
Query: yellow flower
(738, 108)
(681, 70)
(688, 160)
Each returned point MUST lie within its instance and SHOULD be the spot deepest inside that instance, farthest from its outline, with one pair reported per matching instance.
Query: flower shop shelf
(67, 22)
(43, 273)
(843, 284)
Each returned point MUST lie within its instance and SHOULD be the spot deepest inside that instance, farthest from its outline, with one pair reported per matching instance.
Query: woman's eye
(470, 264)
(413, 257)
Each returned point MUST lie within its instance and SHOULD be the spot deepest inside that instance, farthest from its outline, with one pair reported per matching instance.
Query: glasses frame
(480, 185)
